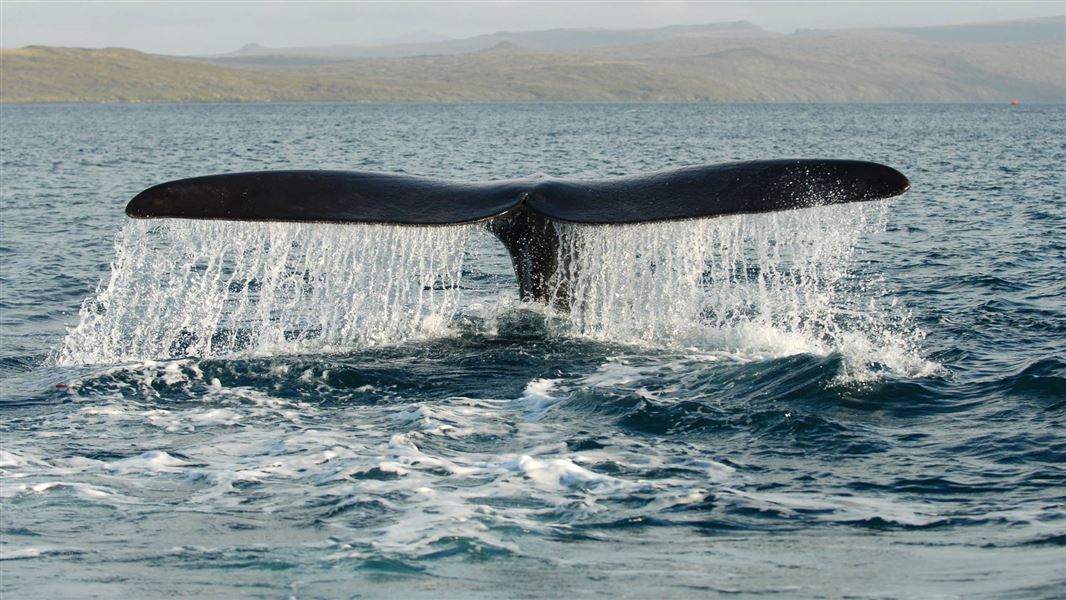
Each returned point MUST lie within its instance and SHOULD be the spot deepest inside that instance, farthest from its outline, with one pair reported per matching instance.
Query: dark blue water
(888, 425)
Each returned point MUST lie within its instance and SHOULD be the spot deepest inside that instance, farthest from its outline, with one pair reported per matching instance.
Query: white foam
(22, 553)
(106, 410)
(537, 398)
(410, 468)
(668, 501)
(155, 461)
(454, 418)
(558, 473)
(215, 416)
(83, 490)
(616, 372)
(10, 460)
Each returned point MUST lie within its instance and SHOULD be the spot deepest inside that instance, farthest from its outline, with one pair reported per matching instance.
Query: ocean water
(855, 401)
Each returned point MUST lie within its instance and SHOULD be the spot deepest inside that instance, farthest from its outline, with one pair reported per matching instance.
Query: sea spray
(210, 288)
(775, 284)
(755, 285)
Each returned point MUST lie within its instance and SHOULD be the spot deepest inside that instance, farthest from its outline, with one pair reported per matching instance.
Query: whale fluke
(520, 212)
(326, 196)
(716, 190)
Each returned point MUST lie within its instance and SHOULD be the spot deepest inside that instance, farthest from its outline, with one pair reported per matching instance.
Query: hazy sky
(200, 27)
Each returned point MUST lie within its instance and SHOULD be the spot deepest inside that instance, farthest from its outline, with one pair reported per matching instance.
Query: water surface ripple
(874, 409)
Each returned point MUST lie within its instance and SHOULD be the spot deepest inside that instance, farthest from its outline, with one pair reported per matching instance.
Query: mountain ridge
(680, 63)
(555, 39)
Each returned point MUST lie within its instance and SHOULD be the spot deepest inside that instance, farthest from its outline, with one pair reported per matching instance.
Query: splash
(751, 285)
(181, 288)
(773, 284)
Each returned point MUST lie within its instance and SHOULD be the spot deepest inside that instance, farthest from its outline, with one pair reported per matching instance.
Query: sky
(208, 27)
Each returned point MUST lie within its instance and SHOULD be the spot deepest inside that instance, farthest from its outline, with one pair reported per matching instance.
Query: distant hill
(47, 74)
(871, 66)
(550, 40)
(503, 73)
(725, 62)
(1049, 29)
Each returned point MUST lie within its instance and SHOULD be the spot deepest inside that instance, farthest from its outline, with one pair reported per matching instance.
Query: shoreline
(1007, 102)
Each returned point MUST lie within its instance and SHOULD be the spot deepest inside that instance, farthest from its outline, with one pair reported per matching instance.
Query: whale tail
(521, 212)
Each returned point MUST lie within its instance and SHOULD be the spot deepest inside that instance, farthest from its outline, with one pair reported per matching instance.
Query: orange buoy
(1014, 102)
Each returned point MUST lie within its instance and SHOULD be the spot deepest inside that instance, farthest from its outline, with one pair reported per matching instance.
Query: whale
(522, 213)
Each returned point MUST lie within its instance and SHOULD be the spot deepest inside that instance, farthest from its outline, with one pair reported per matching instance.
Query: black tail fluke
(521, 210)
(359, 197)
(716, 190)
(326, 197)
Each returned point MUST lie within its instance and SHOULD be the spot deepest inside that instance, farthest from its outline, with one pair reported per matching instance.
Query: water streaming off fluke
(764, 284)
(767, 284)
(194, 288)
